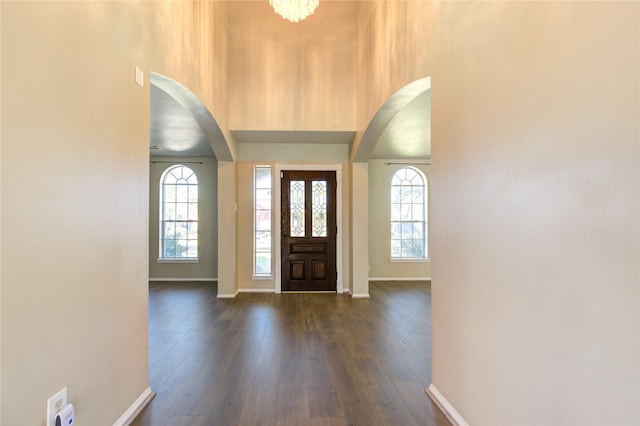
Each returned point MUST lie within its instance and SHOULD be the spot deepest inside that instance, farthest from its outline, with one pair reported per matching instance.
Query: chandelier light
(294, 10)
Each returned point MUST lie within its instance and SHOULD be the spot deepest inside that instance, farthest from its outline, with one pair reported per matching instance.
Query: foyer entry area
(290, 359)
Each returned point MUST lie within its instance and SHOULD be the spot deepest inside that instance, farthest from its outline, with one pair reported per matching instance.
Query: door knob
(284, 235)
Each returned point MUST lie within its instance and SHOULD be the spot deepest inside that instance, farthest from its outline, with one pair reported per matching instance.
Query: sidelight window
(178, 213)
(262, 221)
(408, 214)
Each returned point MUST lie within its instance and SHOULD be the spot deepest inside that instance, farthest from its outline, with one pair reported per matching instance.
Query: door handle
(284, 235)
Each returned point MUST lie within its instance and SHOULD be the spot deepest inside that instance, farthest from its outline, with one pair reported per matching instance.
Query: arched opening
(183, 133)
(399, 138)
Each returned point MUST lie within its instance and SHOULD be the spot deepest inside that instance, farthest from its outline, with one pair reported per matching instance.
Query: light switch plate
(139, 77)
(54, 404)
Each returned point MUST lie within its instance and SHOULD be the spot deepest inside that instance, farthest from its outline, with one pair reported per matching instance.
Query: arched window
(178, 213)
(408, 214)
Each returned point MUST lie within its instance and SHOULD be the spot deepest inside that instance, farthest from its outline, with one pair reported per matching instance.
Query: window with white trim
(262, 221)
(178, 214)
(408, 214)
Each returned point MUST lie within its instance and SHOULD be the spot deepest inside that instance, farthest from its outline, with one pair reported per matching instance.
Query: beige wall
(245, 212)
(206, 169)
(359, 237)
(188, 42)
(392, 51)
(286, 76)
(380, 266)
(227, 229)
(293, 152)
(534, 190)
(75, 202)
(74, 167)
(535, 219)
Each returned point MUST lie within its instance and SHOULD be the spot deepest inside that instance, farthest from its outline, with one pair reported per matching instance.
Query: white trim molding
(215, 280)
(409, 260)
(278, 211)
(400, 279)
(255, 290)
(136, 408)
(447, 409)
(228, 295)
(178, 260)
(261, 277)
(360, 296)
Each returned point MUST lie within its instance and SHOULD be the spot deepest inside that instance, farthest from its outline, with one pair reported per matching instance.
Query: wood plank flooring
(290, 359)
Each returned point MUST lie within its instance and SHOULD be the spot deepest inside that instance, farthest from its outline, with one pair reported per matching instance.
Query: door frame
(278, 213)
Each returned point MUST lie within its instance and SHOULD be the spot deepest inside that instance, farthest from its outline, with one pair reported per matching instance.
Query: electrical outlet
(54, 404)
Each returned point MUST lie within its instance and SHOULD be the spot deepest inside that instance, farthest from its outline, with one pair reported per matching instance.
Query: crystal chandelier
(294, 10)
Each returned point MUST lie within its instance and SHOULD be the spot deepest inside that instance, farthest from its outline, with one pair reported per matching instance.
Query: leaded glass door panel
(308, 230)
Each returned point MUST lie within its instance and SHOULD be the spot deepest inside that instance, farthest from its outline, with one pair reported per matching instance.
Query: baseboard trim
(228, 295)
(256, 290)
(447, 409)
(136, 408)
(400, 279)
(360, 296)
(185, 279)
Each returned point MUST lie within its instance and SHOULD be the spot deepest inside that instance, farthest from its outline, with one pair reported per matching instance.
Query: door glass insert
(319, 208)
(296, 199)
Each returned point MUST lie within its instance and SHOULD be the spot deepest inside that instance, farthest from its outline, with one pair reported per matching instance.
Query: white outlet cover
(54, 404)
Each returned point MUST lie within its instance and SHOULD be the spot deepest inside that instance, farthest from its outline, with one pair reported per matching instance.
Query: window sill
(261, 277)
(178, 260)
(409, 259)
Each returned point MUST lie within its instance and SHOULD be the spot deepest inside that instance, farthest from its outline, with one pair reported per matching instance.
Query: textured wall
(75, 172)
(75, 175)
(188, 42)
(535, 219)
(534, 199)
(392, 51)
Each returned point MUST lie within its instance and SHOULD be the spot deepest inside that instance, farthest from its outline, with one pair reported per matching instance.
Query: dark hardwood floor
(290, 359)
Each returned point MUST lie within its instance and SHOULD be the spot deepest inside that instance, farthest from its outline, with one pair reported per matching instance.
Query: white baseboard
(447, 409)
(228, 295)
(184, 279)
(360, 296)
(138, 405)
(256, 290)
(400, 279)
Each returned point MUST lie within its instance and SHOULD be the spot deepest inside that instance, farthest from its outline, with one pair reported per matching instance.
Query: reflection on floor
(290, 359)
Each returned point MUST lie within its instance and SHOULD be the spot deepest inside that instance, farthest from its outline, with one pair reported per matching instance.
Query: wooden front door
(308, 230)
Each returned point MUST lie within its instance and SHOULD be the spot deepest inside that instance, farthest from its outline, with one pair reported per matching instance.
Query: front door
(308, 230)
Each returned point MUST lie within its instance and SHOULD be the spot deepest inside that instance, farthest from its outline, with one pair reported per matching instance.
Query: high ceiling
(175, 132)
(286, 77)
